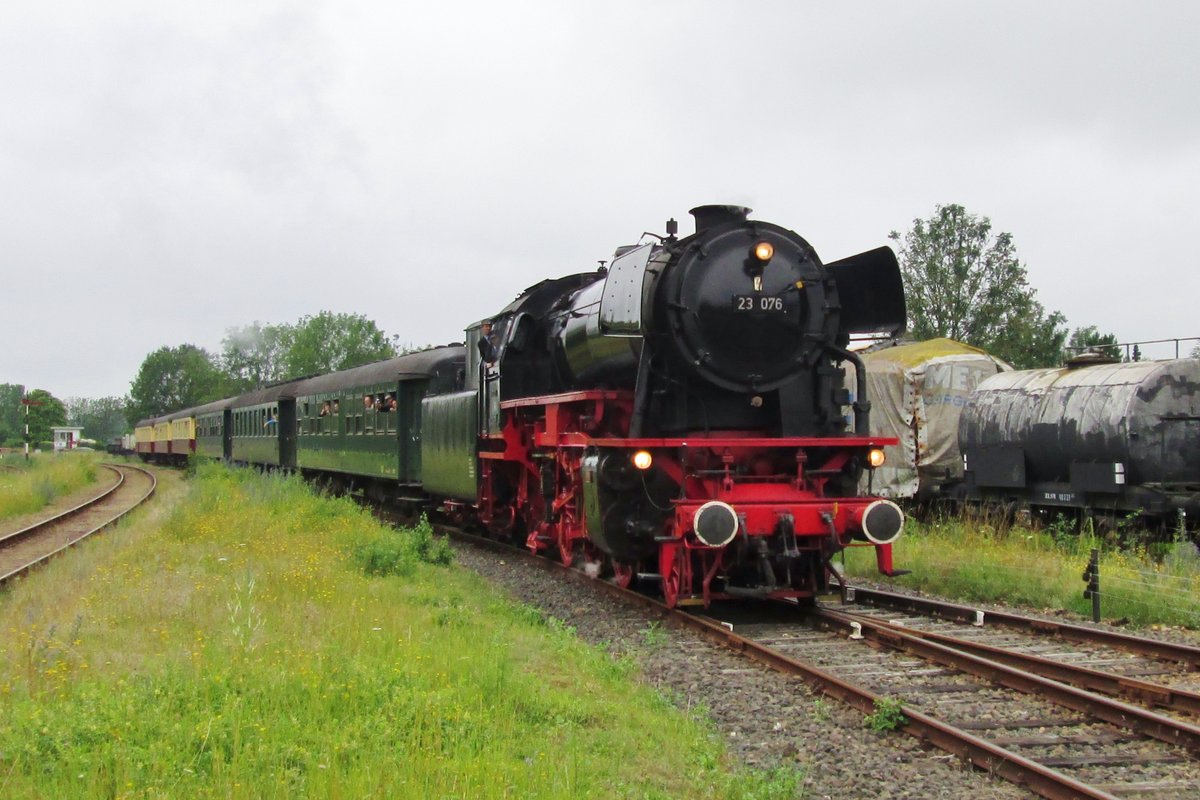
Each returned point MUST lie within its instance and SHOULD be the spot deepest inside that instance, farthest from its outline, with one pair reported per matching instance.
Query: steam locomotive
(679, 416)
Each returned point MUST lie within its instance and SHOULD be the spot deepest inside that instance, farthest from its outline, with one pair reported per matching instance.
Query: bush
(397, 552)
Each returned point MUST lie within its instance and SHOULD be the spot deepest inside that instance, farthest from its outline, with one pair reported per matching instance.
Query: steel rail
(1084, 677)
(1011, 766)
(1167, 651)
(1114, 712)
(71, 512)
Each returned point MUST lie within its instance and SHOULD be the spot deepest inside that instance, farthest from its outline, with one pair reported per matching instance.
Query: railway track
(1113, 747)
(1162, 674)
(22, 550)
(1057, 740)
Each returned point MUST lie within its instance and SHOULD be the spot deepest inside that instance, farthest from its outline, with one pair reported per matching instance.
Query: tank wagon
(1112, 437)
(679, 416)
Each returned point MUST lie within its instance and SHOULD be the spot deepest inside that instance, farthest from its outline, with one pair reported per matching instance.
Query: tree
(1089, 338)
(966, 284)
(253, 355)
(328, 342)
(174, 378)
(102, 419)
(45, 412)
(12, 426)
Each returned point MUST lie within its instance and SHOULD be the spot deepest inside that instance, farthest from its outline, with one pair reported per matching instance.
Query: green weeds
(984, 560)
(887, 716)
(45, 479)
(389, 552)
(244, 649)
(654, 635)
(780, 783)
(820, 709)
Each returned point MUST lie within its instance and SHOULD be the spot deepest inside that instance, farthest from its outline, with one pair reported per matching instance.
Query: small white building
(66, 438)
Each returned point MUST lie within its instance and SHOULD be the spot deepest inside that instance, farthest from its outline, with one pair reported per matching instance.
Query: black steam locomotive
(682, 413)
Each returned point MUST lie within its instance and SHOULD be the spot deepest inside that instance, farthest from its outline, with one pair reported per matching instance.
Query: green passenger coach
(212, 425)
(264, 426)
(365, 423)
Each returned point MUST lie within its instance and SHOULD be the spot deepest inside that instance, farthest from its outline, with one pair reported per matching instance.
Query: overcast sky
(171, 170)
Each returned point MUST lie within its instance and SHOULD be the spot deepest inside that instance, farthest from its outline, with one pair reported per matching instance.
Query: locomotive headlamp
(875, 457)
(642, 459)
(763, 251)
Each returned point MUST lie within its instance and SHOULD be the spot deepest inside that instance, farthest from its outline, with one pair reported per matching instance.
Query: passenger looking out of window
(368, 403)
(388, 404)
(325, 409)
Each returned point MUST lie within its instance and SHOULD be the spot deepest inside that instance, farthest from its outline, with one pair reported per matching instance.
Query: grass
(46, 477)
(982, 560)
(888, 715)
(263, 642)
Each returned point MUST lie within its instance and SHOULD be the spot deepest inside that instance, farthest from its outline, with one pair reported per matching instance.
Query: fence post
(1091, 576)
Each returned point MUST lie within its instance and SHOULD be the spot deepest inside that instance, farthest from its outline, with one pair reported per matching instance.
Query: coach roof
(422, 364)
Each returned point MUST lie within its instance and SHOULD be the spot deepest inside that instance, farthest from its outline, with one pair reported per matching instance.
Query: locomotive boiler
(681, 414)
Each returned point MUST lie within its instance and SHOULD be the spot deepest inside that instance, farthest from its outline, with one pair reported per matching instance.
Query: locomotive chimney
(712, 216)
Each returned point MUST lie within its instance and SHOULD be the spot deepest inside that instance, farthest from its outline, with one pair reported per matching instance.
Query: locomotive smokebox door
(621, 304)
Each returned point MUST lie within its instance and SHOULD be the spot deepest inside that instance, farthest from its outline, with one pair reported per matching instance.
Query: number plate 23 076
(758, 302)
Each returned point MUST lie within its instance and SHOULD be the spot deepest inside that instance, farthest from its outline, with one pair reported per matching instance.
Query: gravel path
(767, 719)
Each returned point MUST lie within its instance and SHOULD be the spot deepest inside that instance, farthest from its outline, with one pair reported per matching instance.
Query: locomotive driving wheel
(671, 563)
(591, 559)
(622, 573)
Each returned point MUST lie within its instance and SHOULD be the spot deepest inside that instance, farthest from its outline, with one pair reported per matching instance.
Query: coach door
(227, 434)
(287, 432)
(409, 428)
